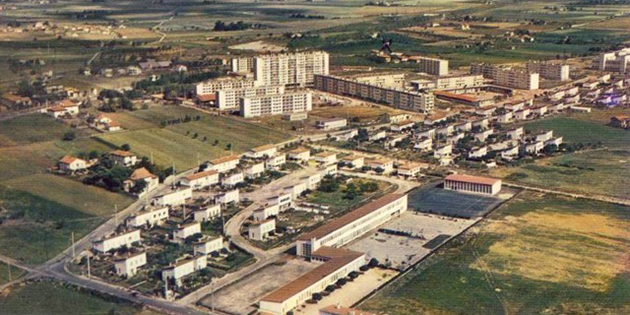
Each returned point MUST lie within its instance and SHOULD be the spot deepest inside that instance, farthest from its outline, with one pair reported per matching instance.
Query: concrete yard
(240, 297)
(352, 292)
(401, 251)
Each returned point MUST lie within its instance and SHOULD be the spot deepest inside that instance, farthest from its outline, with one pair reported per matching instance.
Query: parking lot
(400, 251)
(239, 298)
(435, 199)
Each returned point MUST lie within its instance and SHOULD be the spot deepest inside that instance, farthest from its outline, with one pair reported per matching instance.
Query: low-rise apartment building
(117, 241)
(225, 164)
(262, 152)
(148, 217)
(331, 123)
(231, 98)
(201, 179)
(208, 245)
(184, 267)
(128, 265)
(232, 196)
(183, 231)
(276, 104)
(174, 197)
(263, 213)
(260, 231)
(325, 158)
(207, 213)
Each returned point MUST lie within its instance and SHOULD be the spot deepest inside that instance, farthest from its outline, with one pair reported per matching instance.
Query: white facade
(534, 148)
(150, 217)
(617, 61)
(173, 198)
(207, 213)
(431, 65)
(264, 213)
(117, 241)
(443, 151)
(254, 170)
(228, 197)
(473, 184)
(233, 179)
(201, 179)
(312, 181)
(352, 225)
(300, 154)
(292, 69)
(208, 246)
(549, 70)
(325, 158)
(128, 266)
(70, 164)
(276, 161)
(260, 231)
(277, 104)
(225, 163)
(124, 158)
(212, 86)
(262, 152)
(183, 268)
(507, 76)
(296, 190)
(386, 165)
(231, 99)
(184, 231)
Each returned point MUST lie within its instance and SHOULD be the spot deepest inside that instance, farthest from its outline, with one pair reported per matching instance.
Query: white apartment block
(330, 170)
(296, 190)
(128, 265)
(509, 152)
(174, 197)
(515, 133)
(228, 197)
(117, 241)
(225, 164)
(150, 217)
(409, 169)
(260, 231)
(254, 170)
(276, 161)
(408, 100)
(262, 151)
(430, 65)
(264, 213)
(617, 61)
(325, 158)
(212, 86)
(183, 268)
(207, 246)
(549, 70)
(277, 104)
(242, 64)
(534, 147)
(473, 184)
(338, 263)
(353, 161)
(331, 123)
(292, 69)
(443, 151)
(186, 230)
(283, 200)
(544, 135)
(312, 181)
(233, 179)
(478, 152)
(423, 144)
(207, 213)
(348, 227)
(201, 179)
(230, 99)
(393, 80)
(300, 154)
(386, 165)
(507, 76)
(458, 82)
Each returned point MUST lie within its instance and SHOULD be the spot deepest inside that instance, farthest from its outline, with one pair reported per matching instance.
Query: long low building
(230, 98)
(409, 100)
(338, 263)
(473, 184)
(277, 104)
(352, 225)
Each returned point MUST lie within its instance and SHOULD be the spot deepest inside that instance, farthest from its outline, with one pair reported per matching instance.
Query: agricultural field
(581, 131)
(535, 254)
(187, 144)
(30, 128)
(37, 298)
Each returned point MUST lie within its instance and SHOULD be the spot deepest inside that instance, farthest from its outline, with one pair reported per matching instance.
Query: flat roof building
(231, 98)
(348, 227)
(507, 76)
(473, 184)
(276, 104)
(549, 70)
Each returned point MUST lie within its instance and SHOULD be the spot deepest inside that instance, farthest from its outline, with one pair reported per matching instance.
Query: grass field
(4, 273)
(53, 298)
(536, 254)
(176, 143)
(603, 172)
(580, 130)
(30, 128)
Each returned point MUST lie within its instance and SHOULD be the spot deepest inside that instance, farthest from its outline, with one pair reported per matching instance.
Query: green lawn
(176, 143)
(54, 298)
(16, 273)
(30, 128)
(537, 254)
(336, 201)
(578, 130)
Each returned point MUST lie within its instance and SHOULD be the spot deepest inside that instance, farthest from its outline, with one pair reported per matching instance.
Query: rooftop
(141, 173)
(339, 258)
(122, 153)
(263, 148)
(224, 159)
(350, 217)
(201, 174)
(473, 179)
(68, 159)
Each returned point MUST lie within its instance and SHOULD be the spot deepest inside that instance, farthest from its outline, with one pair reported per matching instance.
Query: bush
(373, 263)
(69, 136)
(317, 296)
(364, 268)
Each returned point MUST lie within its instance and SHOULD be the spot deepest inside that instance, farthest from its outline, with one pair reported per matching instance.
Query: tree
(228, 146)
(125, 147)
(550, 149)
(138, 187)
(93, 154)
(69, 136)
(328, 184)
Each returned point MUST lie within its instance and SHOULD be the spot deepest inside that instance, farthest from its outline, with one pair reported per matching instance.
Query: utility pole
(9, 267)
(74, 254)
(116, 215)
(88, 266)
(173, 175)
(212, 295)
(151, 157)
(184, 209)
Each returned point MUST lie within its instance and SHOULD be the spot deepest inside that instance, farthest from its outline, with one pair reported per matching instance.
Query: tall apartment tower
(291, 69)
(616, 61)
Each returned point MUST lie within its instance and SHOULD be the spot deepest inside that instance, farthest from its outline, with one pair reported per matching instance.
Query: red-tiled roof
(141, 173)
(206, 97)
(339, 258)
(346, 219)
(201, 174)
(122, 153)
(224, 159)
(472, 179)
(68, 159)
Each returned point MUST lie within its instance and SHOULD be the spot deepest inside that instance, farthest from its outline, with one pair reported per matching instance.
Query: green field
(16, 273)
(176, 143)
(537, 254)
(53, 298)
(30, 128)
(580, 130)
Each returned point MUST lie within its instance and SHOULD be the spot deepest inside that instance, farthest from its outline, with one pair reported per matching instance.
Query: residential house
(207, 213)
(300, 154)
(483, 136)
(260, 231)
(382, 164)
(71, 164)
(201, 179)
(228, 197)
(276, 161)
(128, 265)
(184, 231)
(478, 152)
(184, 267)
(142, 174)
(208, 245)
(124, 158)
(423, 144)
(117, 241)
(534, 147)
(231, 180)
(225, 163)
(153, 216)
(353, 161)
(325, 158)
(264, 151)
(254, 170)
(174, 197)
(409, 169)
(265, 212)
(442, 151)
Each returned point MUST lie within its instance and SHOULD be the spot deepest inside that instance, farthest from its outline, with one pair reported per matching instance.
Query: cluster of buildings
(507, 76)
(270, 84)
(429, 65)
(322, 245)
(616, 61)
